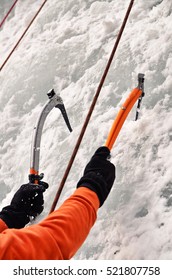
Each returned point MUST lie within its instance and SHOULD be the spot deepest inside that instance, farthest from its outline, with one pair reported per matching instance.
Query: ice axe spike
(61, 107)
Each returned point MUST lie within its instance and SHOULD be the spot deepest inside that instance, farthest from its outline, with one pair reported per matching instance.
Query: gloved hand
(26, 203)
(99, 174)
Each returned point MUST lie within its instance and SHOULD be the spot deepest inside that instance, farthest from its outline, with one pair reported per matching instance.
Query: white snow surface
(67, 49)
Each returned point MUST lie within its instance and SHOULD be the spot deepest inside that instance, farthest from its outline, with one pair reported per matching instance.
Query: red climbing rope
(10, 10)
(24, 33)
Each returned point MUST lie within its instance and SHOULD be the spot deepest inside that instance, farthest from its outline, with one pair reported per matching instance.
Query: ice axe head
(141, 80)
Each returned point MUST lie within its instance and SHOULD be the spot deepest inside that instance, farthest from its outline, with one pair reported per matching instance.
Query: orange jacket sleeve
(3, 225)
(57, 237)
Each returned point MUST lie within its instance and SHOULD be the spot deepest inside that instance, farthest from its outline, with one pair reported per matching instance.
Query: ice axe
(55, 101)
(136, 94)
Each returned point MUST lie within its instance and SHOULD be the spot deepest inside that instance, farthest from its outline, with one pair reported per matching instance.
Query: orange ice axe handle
(124, 111)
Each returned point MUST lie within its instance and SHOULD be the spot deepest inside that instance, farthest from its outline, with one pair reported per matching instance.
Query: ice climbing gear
(141, 77)
(91, 107)
(54, 102)
(24, 33)
(8, 13)
(99, 174)
(137, 93)
(25, 205)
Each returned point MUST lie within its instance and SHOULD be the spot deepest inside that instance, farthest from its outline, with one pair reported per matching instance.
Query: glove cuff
(14, 218)
(103, 152)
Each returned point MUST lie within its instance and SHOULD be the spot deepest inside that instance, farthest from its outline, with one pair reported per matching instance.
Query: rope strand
(10, 10)
(91, 108)
(18, 42)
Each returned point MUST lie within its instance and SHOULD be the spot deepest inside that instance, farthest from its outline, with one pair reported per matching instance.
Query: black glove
(26, 203)
(99, 174)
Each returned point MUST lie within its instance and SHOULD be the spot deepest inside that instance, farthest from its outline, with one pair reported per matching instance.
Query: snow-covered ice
(67, 49)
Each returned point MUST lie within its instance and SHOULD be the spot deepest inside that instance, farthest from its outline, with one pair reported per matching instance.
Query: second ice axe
(55, 101)
(136, 94)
